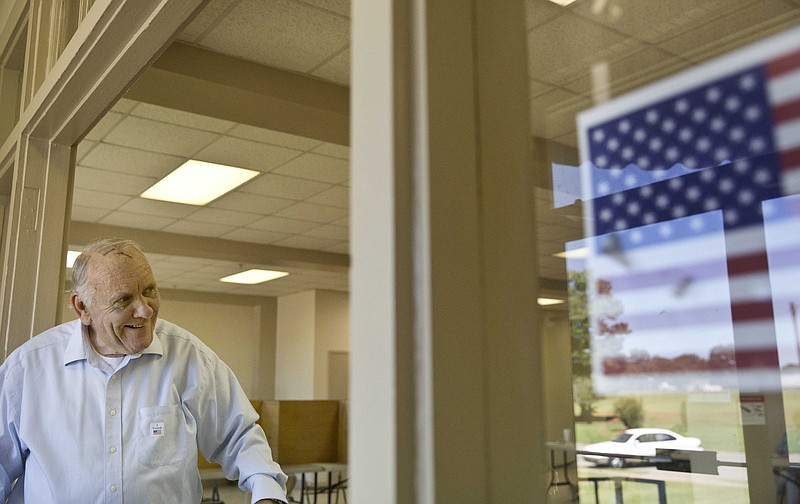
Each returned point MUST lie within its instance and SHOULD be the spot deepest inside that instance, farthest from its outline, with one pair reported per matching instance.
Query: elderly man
(113, 407)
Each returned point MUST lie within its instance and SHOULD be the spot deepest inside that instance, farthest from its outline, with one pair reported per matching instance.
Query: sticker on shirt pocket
(162, 435)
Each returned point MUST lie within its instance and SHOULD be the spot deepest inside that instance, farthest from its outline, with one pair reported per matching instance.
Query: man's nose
(142, 309)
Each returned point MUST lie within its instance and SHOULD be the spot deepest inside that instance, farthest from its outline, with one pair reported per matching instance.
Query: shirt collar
(79, 348)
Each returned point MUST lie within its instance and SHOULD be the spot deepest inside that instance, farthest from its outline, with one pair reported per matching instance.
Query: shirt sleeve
(228, 434)
(12, 460)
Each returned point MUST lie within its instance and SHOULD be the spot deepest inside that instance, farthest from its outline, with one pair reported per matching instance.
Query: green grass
(677, 492)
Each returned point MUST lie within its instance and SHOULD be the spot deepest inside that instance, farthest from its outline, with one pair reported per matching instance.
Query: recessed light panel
(578, 253)
(548, 301)
(563, 3)
(71, 256)
(253, 276)
(198, 182)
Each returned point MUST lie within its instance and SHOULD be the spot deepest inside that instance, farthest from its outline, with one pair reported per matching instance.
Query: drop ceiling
(297, 209)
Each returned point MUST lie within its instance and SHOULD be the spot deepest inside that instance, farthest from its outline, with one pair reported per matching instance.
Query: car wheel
(616, 463)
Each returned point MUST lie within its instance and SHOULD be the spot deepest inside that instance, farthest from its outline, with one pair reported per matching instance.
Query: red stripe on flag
(765, 357)
(790, 158)
(744, 264)
(754, 310)
(784, 64)
(786, 111)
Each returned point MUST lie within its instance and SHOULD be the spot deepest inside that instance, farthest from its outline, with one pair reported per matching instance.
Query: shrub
(629, 411)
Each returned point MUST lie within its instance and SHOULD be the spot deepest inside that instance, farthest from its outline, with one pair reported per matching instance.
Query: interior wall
(557, 374)
(331, 331)
(231, 331)
(294, 364)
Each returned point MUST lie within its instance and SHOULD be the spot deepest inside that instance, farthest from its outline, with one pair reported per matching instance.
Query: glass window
(667, 134)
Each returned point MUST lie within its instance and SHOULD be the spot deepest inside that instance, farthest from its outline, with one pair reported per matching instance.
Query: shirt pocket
(162, 435)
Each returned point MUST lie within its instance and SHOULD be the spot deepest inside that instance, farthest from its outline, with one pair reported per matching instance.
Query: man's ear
(80, 309)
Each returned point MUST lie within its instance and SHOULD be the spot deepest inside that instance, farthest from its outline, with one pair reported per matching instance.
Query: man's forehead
(119, 261)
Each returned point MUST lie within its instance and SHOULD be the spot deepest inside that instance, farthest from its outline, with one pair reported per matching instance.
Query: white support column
(445, 377)
(33, 273)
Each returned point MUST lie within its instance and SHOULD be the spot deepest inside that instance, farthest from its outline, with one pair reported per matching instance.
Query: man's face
(122, 312)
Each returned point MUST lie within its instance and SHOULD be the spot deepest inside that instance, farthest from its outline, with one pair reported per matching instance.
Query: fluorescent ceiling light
(542, 301)
(253, 276)
(563, 3)
(578, 253)
(198, 182)
(71, 256)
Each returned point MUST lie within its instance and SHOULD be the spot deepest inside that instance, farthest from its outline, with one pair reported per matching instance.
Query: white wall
(231, 331)
(331, 335)
(311, 324)
(295, 347)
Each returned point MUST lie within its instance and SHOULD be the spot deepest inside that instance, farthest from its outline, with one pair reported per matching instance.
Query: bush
(629, 411)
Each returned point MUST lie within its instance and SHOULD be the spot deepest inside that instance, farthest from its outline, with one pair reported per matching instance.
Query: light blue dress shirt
(81, 432)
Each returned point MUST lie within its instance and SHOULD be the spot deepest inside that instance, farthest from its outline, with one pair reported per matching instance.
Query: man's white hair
(102, 246)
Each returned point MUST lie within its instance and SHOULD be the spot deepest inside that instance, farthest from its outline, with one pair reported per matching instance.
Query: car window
(622, 438)
(664, 437)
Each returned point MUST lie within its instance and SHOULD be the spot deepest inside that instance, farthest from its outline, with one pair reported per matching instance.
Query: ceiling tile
(160, 137)
(328, 231)
(88, 214)
(133, 161)
(98, 199)
(198, 228)
(565, 48)
(336, 196)
(542, 106)
(279, 186)
(633, 71)
(104, 126)
(273, 137)
(208, 17)
(538, 12)
(719, 34)
(84, 148)
(101, 180)
(139, 221)
(341, 7)
(656, 21)
(311, 212)
(124, 105)
(282, 225)
(537, 88)
(279, 33)
(246, 154)
(253, 203)
(334, 150)
(220, 216)
(343, 222)
(154, 207)
(336, 69)
(254, 236)
(316, 167)
(181, 118)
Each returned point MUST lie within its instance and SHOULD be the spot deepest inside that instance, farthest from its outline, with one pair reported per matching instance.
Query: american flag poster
(692, 218)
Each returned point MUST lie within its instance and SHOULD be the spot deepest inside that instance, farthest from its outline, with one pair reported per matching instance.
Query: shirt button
(113, 449)
(114, 377)
(113, 412)
(113, 488)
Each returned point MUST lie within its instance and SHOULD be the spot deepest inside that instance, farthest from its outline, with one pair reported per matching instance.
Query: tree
(629, 411)
(583, 391)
